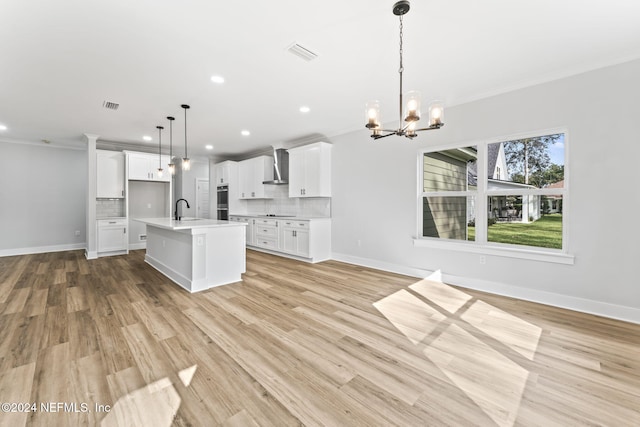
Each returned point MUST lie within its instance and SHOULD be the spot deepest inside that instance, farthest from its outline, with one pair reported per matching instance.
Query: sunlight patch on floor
(409, 315)
(474, 343)
(517, 334)
(450, 299)
(493, 381)
(154, 405)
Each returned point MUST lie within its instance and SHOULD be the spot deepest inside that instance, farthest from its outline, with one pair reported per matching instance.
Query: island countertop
(187, 223)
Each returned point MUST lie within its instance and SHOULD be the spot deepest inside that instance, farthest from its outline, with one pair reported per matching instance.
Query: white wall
(375, 193)
(42, 198)
(186, 185)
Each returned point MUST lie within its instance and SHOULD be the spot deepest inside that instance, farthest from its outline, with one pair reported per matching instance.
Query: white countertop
(187, 223)
(284, 217)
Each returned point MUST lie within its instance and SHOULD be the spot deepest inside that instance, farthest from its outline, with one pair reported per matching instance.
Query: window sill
(532, 254)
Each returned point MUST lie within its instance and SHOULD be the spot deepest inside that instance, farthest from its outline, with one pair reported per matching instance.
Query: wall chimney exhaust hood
(280, 167)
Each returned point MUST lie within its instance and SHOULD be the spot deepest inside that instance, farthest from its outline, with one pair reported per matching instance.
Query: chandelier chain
(401, 66)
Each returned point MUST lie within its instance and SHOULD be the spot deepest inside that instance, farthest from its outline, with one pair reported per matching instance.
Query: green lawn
(546, 232)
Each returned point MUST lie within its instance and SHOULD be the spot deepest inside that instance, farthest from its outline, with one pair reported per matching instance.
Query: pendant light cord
(185, 132)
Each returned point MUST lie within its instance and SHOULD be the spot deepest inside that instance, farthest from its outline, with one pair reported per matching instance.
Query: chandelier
(412, 107)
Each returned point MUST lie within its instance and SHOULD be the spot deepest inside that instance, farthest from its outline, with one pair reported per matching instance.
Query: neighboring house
(553, 204)
(456, 170)
(504, 208)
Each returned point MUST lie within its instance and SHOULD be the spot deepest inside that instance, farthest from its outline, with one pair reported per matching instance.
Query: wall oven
(223, 202)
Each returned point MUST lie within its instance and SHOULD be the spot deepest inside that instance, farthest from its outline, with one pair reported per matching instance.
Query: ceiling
(60, 60)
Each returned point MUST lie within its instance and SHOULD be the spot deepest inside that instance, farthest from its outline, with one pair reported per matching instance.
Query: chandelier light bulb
(372, 111)
(413, 107)
(436, 114)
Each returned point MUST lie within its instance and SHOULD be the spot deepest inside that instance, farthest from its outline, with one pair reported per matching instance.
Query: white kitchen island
(197, 254)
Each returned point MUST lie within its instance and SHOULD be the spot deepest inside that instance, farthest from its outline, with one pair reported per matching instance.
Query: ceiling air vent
(302, 52)
(110, 105)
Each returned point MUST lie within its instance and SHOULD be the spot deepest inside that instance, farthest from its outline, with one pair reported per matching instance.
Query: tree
(529, 157)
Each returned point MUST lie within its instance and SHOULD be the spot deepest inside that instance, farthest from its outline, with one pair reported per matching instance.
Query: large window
(507, 193)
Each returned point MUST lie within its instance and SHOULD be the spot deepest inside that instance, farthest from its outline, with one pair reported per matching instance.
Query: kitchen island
(197, 254)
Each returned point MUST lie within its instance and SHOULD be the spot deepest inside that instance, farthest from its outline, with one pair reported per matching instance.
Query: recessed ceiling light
(3, 127)
(147, 138)
(304, 109)
(217, 79)
(209, 147)
(245, 133)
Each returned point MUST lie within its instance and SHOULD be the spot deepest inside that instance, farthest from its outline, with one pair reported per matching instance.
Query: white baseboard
(612, 311)
(42, 249)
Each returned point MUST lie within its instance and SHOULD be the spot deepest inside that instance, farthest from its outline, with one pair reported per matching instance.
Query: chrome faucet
(175, 213)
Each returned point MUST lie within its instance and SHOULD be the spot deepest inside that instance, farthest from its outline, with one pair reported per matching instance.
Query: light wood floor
(297, 344)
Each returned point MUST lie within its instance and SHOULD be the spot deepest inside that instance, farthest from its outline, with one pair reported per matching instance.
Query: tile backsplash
(279, 203)
(109, 208)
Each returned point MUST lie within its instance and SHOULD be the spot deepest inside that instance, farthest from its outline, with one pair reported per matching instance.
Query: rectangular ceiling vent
(110, 105)
(302, 52)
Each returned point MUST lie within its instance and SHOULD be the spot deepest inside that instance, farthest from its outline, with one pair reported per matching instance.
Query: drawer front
(292, 223)
(266, 242)
(269, 231)
(263, 221)
(111, 222)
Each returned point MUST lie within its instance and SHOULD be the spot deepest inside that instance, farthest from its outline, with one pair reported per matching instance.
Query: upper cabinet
(144, 167)
(109, 174)
(251, 174)
(310, 170)
(225, 172)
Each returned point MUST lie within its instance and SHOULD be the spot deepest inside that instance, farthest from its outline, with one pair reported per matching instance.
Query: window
(506, 193)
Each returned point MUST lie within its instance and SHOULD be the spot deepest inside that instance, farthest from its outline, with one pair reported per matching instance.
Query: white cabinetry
(224, 172)
(266, 233)
(251, 174)
(144, 167)
(109, 174)
(304, 239)
(310, 170)
(249, 235)
(295, 237)
(112, 235)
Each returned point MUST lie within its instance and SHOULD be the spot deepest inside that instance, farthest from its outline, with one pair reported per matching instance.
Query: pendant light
(186, 163)
(159, 150)
(412, 108)
(172, 166)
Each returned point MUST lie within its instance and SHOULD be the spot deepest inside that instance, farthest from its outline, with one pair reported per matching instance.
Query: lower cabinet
(266, 233)
(295, 238)
(305, 239)
(112, 235)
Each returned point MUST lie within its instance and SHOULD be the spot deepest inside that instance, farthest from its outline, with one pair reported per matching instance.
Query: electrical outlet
(483, 259)
(359, 243)
(77, 232)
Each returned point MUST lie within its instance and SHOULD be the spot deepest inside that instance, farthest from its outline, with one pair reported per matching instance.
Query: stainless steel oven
(223, 202)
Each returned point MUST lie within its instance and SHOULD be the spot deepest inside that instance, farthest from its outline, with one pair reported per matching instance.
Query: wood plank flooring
(112, 342)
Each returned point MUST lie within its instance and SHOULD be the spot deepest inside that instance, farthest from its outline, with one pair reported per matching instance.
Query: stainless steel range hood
(280, 167)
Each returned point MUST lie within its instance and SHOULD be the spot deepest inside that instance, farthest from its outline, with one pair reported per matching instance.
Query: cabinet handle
(124, 230)
(112, 222)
